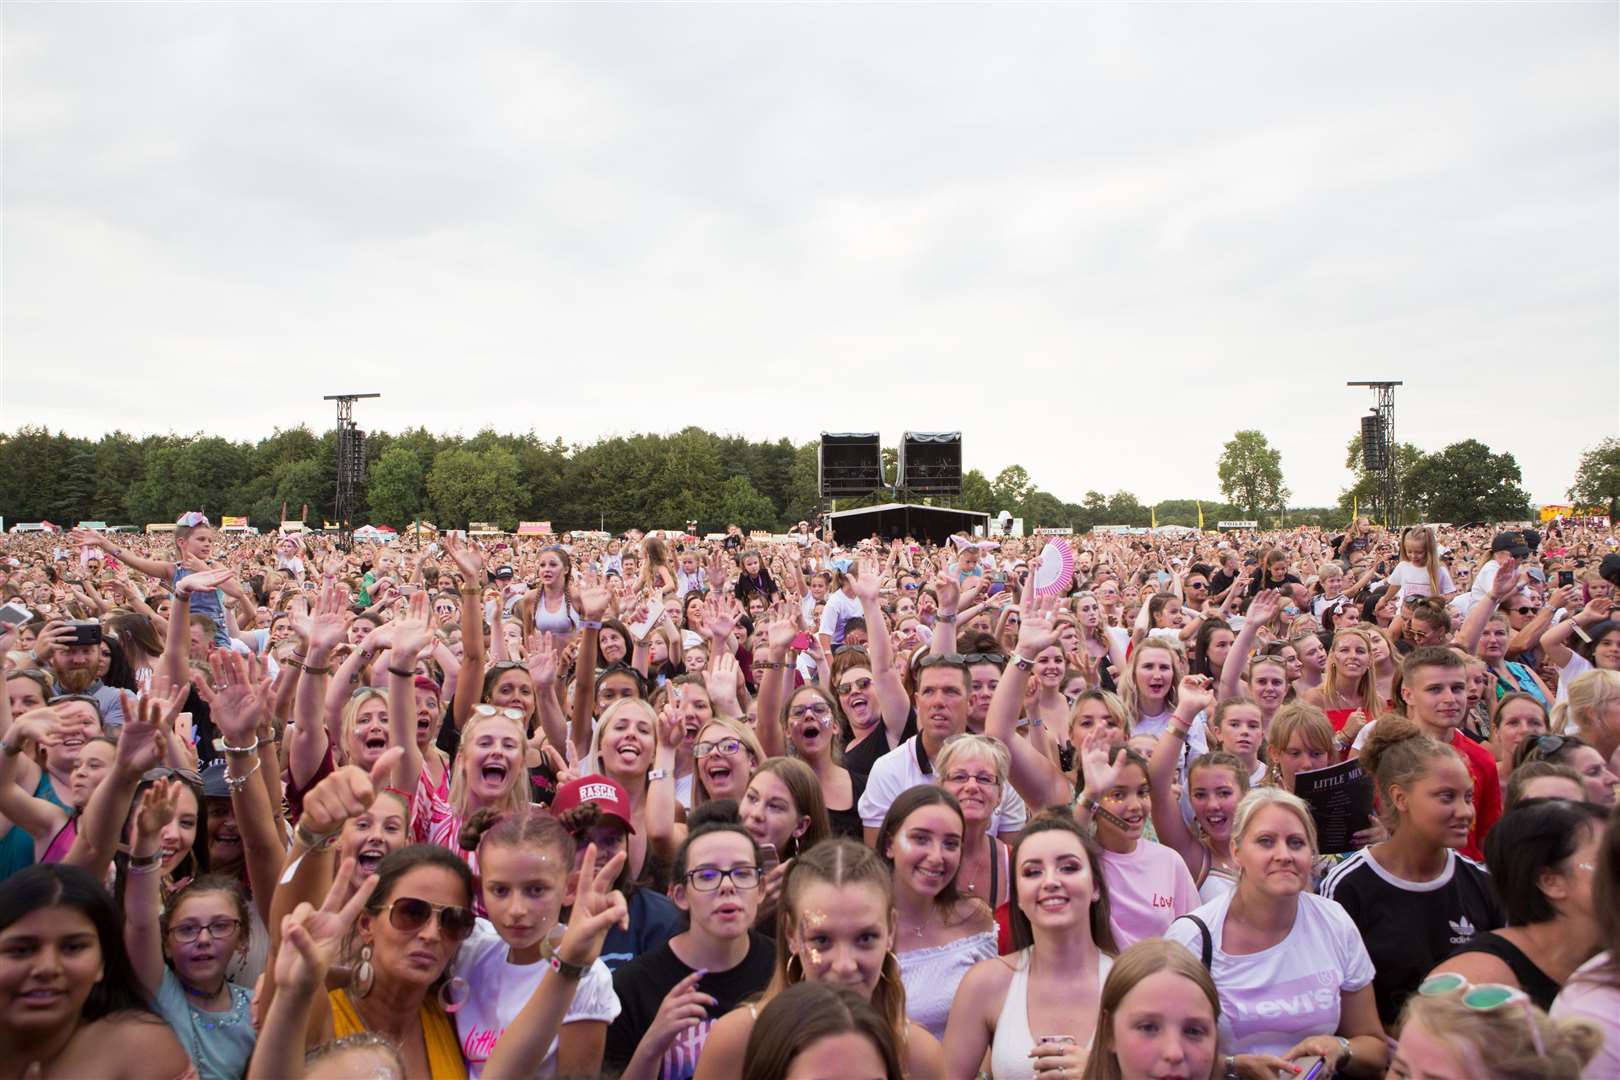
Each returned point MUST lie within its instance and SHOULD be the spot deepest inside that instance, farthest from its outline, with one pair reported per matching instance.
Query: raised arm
(774, 685)
(158, 568)
(470, 680)
(1534, 632)
(140, 747)
(1034, 776)
(319, 633)
(891, 691)
(143, 904)
(543, 661)
(39, 818)
(1555, 640)
(660, 811)
(412, 634)
(1262, 609)
(594, 598)
(1507, 581)
(1171, 827)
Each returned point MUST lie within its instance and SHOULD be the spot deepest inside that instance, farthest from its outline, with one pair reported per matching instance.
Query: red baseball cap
(606, 792)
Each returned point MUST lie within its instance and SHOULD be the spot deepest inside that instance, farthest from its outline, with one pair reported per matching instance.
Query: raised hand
(1196, 693)
(1265, 605)
(1038, 628)
(542, 660)
(1508, 579)
(947, 589)
(594, 596)
(157, 807)
(720, 614)
(328, 625)
(316, 935)
(1100, 774)
(780, 630)
(42, 725)
(413, 632)
(722, 677)
(467, 560)
(202, 581)
(140, 744)
(347, 792)
(236, 703)
(671, 729)
(865, 584)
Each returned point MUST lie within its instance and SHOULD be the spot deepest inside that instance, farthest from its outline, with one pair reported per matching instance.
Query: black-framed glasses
(727, 746)
(409, 914)
(217, 928)
(709, 878)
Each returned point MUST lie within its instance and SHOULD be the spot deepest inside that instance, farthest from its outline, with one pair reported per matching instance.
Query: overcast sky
(1095, 239)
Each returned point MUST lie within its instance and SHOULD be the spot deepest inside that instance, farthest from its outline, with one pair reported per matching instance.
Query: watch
(565, 969)
(657, 774)
(1344, 1053)
(1022, 664)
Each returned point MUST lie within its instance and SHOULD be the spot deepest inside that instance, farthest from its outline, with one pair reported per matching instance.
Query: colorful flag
(1200, 517)
(1153, 516)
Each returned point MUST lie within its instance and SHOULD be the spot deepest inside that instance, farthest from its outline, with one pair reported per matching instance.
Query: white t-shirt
(499, 990)
(1576, 666)
(840, 609)
(1414, 580)
(899, 769)
(1272, 999)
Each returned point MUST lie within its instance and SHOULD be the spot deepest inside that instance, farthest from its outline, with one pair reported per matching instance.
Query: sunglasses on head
(1551, 745)
(972, 658)
(950, 660)
(409, 914)
(164, 772)
(1484, 997)
(498, 710)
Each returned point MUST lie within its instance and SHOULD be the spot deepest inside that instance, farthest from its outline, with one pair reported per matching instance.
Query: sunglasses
(1526, 610)
(1550, 745)
(972, 658)
(951, 660)
(409, 914)
(163, 772)
(1485, 997)
(496, 710)
(855, 686)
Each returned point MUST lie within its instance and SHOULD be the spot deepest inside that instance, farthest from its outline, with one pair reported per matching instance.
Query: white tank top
(1009, 1052)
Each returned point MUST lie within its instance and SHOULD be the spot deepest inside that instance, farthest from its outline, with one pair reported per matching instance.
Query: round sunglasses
(409, 914)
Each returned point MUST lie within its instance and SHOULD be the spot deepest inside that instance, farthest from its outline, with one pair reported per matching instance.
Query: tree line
(660, 481)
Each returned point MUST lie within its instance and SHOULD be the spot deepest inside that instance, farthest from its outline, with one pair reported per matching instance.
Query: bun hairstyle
(529, 826)
(1397, 754)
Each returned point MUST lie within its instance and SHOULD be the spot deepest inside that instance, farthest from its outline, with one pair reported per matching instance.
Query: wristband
(565, 969)
(769, 665)
(590, 624)
(944, 618)
(657, 774)
(144, 864)
(291, 663)
(229, 749)
(12, 749)
(309, 838)
(311, 670)
(402, 674)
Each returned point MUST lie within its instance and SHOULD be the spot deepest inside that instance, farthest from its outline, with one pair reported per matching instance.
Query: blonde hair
(1431, 555)
(517, 795)
(592, 766)
(1261, 798)
(1499, 1043)
(745, 735)
(1145, 958)
(1128, 692)
(1366, 688)
(350, 709)
(1588, 697)
(970, 745)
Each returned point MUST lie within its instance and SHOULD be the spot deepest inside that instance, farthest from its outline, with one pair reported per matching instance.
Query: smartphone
(85, 632)
(1566, 578)
(801, 642)
(1314, 1068)
(14, 614)
(768, 858)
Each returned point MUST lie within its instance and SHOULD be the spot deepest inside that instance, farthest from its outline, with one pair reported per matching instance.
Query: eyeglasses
(1485, 997)
(409, 914)
(818, 710)
(722, 746)
(495, 710)
(951, 660)
(217, 928)
(1197, 584)
(855, 686)
(984, 780)
(1526, 610)
(708, 878)
(909, 586)
(973, 658)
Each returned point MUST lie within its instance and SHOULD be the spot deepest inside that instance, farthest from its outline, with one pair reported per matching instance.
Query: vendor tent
(892, 520)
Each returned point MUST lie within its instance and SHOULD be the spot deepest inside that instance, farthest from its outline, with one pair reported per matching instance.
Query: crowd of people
(667, 807)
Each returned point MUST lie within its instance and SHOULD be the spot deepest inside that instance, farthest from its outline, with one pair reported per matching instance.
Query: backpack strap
(1207, 951)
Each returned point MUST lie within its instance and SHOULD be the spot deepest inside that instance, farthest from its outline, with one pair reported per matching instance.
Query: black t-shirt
(644, 982)
(1221, 582)
(1409, 927)
(860, 760)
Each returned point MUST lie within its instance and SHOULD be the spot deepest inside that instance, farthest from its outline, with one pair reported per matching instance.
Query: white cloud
(1097, 239)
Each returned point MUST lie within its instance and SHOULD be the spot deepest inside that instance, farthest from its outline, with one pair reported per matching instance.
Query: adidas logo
(1461, 930)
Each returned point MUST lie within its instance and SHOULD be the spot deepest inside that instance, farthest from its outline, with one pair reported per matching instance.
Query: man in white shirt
(942, 711)
(1510, 546)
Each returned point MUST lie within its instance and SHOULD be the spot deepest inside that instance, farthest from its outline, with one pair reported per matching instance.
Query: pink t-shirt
(1589, 996)
(1147, 889)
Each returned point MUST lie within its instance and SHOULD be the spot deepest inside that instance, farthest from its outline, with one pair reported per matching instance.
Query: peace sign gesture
(311, 937)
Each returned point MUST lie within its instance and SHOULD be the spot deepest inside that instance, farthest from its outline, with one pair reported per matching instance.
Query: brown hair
(1397, 754)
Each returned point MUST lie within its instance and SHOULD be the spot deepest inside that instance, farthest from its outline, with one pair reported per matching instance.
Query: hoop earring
(787, 969)
(453, 994)
(363, 973)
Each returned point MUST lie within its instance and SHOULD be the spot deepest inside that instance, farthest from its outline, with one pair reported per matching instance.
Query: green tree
(1251, 473)
(1366, 488)
(1597, 478)
(741, 503)
(467, 486)
(976, 493)
(395, 495)
(1010, 488)
(1466, 482)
